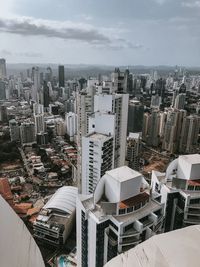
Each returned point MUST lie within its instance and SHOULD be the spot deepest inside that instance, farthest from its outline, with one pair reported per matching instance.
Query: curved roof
(63, 200)
(17, 247)
(178, 248)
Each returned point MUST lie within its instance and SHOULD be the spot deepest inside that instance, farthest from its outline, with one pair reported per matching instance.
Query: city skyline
(140, 33)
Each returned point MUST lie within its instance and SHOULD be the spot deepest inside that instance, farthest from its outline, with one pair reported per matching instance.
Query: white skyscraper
(120, 215)
(71, 125)
(117, 104)
(84, 108)
(38, 113)
(97, 158)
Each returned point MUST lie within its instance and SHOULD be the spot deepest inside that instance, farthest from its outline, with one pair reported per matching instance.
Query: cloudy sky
(110, 32)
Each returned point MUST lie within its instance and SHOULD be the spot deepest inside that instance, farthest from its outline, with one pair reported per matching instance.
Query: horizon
(147, 33)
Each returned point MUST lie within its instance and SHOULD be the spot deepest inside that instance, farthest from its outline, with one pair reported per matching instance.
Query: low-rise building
(56, 219)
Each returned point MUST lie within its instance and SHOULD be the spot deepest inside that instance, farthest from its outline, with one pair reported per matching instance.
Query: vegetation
(9, 152)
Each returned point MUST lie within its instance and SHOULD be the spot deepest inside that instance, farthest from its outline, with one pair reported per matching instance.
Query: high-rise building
(97, 158)
(151, 128)
(117, 104)
(173, 128)
(49, 75)
(179, 190)
(36, 84)
(135, 116)
(27, 132)
(2, 68)
(61, 76)
(3, 113)
(38, 113)
(189, 134)
(84, 108)
(180, 101)
(156, 101)
(133, 150)
(46, 98)
(42, 138)
(71, 125)
(60, 127)
(120, 215)
(97, 150)
(176, 248)
(2, 90)
(14, 130)
(120, 81)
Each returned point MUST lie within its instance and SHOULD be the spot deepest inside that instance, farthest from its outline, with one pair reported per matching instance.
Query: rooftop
(63, 200)
(98, 136)
(133, 201)
(123, 174)
(140, 213)
(192, 159)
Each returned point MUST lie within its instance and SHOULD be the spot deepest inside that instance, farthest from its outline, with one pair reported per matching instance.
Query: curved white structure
(17, 247)
(178, 248)
(63, 200)
(56, 219)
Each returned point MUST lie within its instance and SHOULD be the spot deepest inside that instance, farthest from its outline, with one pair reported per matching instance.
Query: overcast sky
(110, 32)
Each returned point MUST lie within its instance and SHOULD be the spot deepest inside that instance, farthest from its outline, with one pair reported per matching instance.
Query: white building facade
(120, 215)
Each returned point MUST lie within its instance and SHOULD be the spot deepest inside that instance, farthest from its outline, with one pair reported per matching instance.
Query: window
(129, 209)
(122, 211)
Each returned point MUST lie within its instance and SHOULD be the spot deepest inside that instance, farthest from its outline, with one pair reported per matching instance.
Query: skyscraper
(133, 150)
(46, 95)
(97, 158)
(27, 132)
(120, 81)
(2, 68)
(71, 125)
(2, 90)
(14, 130)
(36, 84)
(179, 189)
(119, 215)
(117, 104)
(38, 114)
(172, 131)
(189, 134)
(135, 116)
(61, 76)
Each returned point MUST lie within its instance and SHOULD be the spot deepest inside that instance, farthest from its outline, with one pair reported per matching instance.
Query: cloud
(67, 30)
(160, 2)
(191, 4)
(64, 30)
(29, 54)
(119, 45)
(5, 52)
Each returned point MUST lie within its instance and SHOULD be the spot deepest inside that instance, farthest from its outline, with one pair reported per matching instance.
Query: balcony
(193, 211)
(129, 233)
(146, 221)
(130, 241)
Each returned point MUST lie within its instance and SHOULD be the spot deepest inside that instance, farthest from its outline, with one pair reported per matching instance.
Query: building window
(122, 211)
